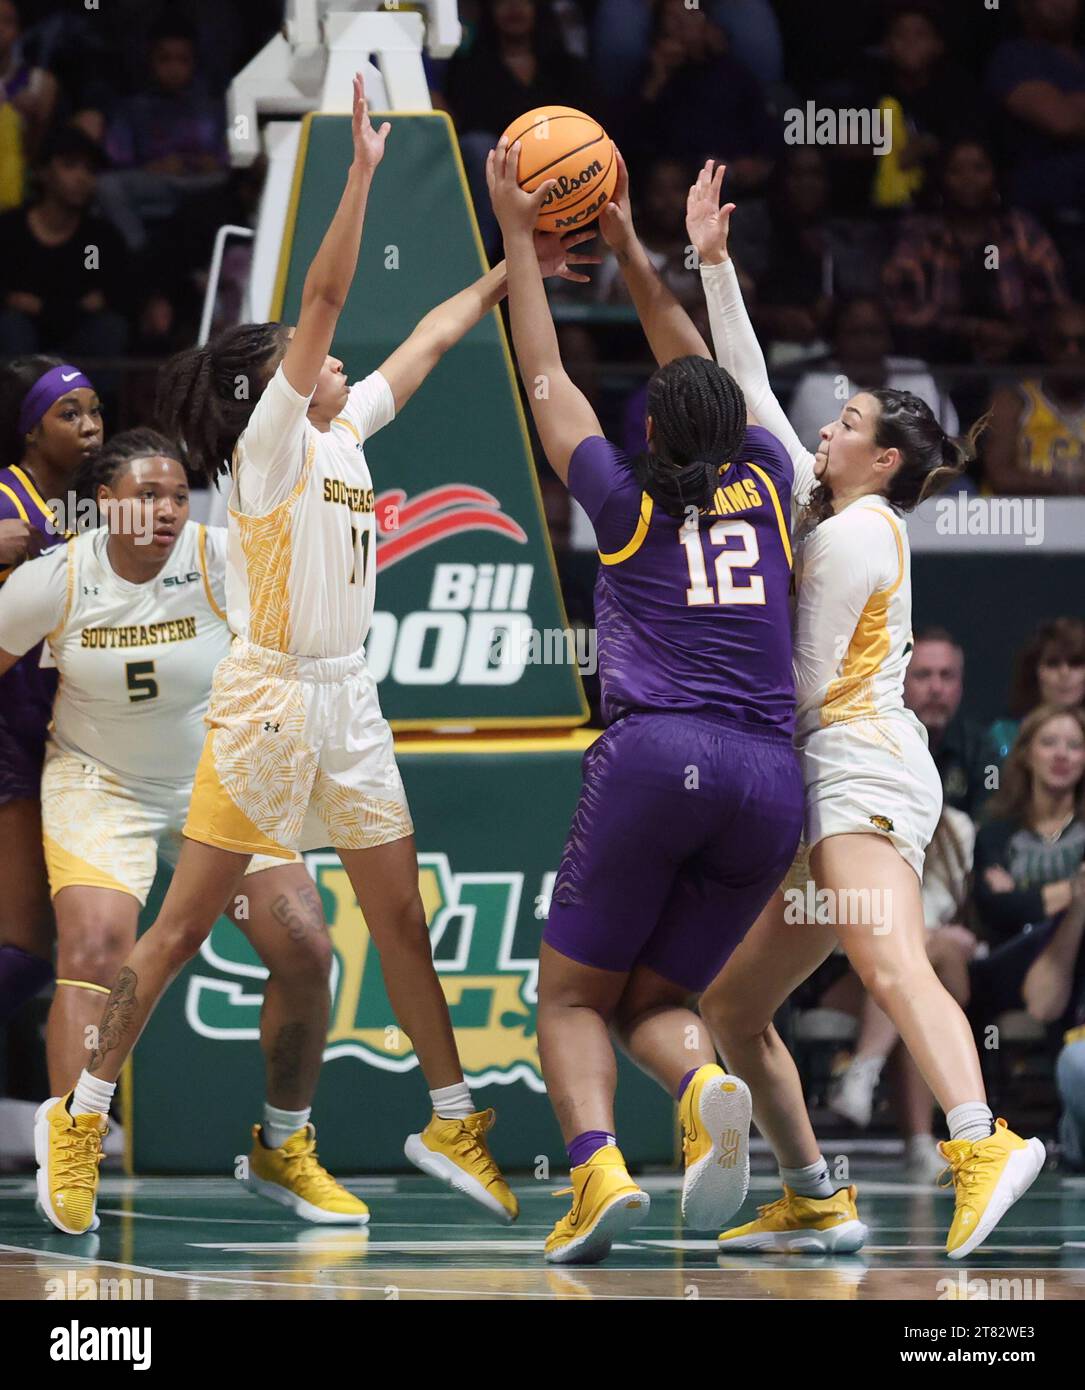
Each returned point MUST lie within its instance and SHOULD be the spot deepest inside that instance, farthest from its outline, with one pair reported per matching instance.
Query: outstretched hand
(554, 251)
(616, 219)
(368, 143)
(516, 210)
(708, 224)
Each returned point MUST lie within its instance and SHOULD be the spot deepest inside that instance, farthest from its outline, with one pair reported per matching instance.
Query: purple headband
(46, 391)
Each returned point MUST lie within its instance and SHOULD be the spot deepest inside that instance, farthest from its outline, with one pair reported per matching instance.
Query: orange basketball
(557, 142)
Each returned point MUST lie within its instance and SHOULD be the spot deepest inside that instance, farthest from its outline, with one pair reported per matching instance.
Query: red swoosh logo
(464, 508)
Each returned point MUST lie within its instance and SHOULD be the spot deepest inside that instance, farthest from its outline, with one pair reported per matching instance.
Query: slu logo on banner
(472, 920)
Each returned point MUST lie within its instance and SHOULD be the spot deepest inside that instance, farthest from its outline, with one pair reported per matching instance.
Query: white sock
(92, 1096)
(811, 1181)
(279, 1125)
(453, 1102)
(972, 1120)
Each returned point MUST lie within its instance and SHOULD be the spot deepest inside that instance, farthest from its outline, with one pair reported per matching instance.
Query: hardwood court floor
(205, 1238)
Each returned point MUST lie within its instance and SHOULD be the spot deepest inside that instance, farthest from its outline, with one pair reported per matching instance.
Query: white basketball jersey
(303, 533)
(136, 660)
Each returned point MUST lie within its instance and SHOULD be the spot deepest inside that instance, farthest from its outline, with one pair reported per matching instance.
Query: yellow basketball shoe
(606, 1204)
(68, 1149)
(802, 1225)
(455, 1152)
(294, 1177)
(989, 1175)
(715, 1111)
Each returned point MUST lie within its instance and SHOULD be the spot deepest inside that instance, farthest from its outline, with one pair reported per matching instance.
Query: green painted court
(204, 1238)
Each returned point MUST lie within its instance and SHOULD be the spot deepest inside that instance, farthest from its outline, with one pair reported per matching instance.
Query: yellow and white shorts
(874, 776)
(298, 756)
(104, 830)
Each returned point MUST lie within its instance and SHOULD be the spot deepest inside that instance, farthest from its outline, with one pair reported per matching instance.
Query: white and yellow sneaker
(293, 1176)
(606, 1204)
(802, 1225)
(455, 1152)
(715, 1112)
(988, 1176)
(68, 1149)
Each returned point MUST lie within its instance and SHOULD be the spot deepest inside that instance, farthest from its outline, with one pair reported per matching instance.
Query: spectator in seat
(169, 142)
(698, 101)
(1030, 897)
(1048, 670)
(1036, 442)
(62, 271)
(1038, 80)
(661, 223)
(950, 295)
(933, 689)
(862, 341)
(933, 101)
(27, 98)
(514, 61)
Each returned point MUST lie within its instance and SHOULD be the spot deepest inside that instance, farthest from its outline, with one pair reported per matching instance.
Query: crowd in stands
(952, 265)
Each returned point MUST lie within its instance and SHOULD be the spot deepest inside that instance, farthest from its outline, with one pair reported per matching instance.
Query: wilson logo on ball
(571, 147)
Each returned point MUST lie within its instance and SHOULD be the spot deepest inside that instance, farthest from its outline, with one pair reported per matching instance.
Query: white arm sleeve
(271, 451)
(846, 559)
(739, 352)
(33, 601)
(370, 405)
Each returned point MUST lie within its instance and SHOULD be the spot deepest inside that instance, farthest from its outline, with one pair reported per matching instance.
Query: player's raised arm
(444, 326)
(328, 282)
(563, 415)
(733, 337)
(669, 329)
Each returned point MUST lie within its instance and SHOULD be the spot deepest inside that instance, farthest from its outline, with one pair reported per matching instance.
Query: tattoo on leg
(285, 1057)
(299, 912)
(117, 1019)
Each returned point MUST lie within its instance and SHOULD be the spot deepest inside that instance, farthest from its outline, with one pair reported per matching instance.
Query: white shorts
(104, 830)
(873, 775)
(298, 756)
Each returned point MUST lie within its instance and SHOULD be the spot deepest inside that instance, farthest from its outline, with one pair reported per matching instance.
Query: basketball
(557, 142)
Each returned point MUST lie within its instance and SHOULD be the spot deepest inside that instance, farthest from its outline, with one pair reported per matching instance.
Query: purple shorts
(23, 731)
(685, 827)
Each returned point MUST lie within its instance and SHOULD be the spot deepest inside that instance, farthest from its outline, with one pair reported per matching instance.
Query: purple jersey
(693, 616)
(26, 692)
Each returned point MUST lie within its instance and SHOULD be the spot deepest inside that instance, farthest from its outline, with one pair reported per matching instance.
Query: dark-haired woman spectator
(1048, 670)
(50, 424)
(62, 270)
(952, 296)
(27, 98)
(933, 100)
(514, 61)
(698, 100)
(1030, 897)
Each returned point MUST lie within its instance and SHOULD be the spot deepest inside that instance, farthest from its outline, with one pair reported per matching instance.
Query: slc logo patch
(882, 823)
(472, 918)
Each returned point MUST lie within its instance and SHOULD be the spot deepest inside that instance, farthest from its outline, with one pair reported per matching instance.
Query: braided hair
(114, 458)
(17, 376)
(699, 417)
(206, 394)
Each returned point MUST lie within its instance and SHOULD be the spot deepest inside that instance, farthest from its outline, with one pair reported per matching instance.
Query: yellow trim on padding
(35, 495)
(278, 294)
(67, 870)
(573, 741)
(85, 984)
(615, 557)
(206, 576)
(16, 499)
(777, 509)
(127, 1102)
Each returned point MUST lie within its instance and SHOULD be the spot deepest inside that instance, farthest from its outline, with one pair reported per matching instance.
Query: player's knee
(731, 1020)
(95, 957)
(180, 938)
(884, 983)
(310, 961)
